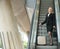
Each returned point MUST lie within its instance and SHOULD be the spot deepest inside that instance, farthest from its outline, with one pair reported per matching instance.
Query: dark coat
(50, 21)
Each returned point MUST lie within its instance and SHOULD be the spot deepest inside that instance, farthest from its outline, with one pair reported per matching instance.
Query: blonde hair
(50, 8)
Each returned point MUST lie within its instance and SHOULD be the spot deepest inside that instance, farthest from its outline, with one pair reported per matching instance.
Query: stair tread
(46, 47)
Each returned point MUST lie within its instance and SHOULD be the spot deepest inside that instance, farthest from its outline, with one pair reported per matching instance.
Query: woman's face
(50, 10)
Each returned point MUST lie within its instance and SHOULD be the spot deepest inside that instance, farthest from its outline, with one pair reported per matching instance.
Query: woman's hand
(40, 24)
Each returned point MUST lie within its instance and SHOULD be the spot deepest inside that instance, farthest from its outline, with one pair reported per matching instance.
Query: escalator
(37, 30)
(41, 30)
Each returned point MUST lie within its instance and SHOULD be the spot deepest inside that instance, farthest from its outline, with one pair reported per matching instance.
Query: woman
(50, 22)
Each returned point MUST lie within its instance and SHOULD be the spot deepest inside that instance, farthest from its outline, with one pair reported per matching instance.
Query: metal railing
(33, 31)
(57, 12)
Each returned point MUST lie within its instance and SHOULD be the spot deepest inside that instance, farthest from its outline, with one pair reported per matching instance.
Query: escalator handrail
(38, 23)
(57, 11)
(29, 41)
(33, 24)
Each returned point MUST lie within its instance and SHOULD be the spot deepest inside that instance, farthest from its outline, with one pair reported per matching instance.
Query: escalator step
(46, 47)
